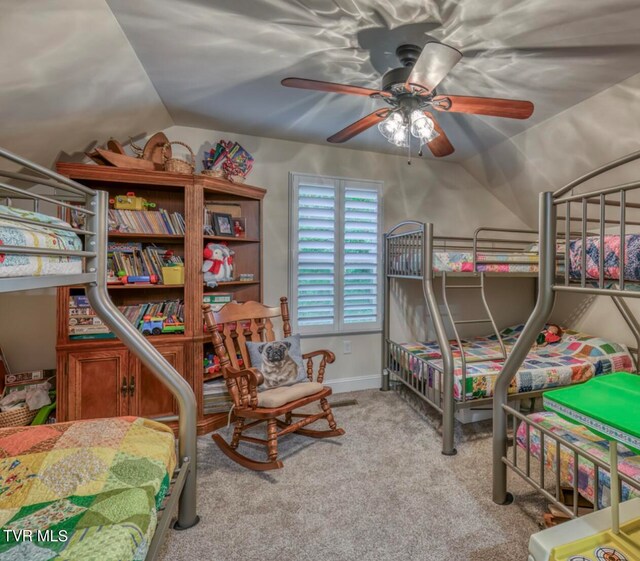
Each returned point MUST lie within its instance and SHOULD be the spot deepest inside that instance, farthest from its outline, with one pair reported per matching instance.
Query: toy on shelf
(130, 202)
(239, 227)
(211, 364)
(158, 325)
(140, 279)
(218, 264)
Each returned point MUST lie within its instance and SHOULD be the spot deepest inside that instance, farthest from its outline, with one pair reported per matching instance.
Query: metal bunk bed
(410, 252)
(596, 224)
(181, 496)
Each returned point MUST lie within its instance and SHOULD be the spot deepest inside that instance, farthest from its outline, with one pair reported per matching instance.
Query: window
(335, 262)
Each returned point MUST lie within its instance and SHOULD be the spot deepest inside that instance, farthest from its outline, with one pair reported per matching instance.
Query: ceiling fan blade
(435, 61)
(330, 87)
(359, 126)
(492, 106)
(440, 146)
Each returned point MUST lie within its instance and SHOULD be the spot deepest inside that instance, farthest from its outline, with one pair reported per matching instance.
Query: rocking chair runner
(252, 321)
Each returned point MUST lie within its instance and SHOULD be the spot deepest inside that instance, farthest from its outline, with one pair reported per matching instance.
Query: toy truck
(130, 202)
(152, 325)
(173, 325)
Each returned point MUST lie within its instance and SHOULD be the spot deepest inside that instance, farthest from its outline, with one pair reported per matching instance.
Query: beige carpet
(382, 492)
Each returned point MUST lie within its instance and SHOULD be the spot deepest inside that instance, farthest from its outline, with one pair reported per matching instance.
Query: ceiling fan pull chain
(408, 147)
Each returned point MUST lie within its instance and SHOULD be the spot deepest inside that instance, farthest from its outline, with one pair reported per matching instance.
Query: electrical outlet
(347, 347)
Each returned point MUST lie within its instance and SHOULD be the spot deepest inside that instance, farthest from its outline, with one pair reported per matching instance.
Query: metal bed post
(448, 402)
(384, 386)
(148, 354)
(535, 323)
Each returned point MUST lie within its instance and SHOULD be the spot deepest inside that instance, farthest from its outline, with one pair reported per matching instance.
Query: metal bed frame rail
(94, 279)
(409, 254)
(549, 284)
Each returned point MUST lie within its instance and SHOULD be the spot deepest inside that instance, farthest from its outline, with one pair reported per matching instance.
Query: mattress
(611, 257)
(91, 488)
(583, 438)
(577, 358)
(44, 235)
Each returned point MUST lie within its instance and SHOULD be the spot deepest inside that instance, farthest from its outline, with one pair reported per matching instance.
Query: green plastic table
(608, 406)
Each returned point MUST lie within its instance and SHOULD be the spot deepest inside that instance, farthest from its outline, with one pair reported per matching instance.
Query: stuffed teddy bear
(228, 262)
(214, 264)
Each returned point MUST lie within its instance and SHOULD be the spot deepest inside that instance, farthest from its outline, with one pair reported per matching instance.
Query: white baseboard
(355, 383)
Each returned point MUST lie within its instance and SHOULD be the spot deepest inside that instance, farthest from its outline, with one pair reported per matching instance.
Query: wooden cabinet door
(97, 384)
(150, 397)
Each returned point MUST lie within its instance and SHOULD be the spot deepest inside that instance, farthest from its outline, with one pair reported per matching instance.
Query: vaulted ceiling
(75, 72)
(218, 63)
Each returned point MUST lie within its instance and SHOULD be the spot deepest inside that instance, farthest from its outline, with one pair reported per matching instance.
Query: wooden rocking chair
(251, 321)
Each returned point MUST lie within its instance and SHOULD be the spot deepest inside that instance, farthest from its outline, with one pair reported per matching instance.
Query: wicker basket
(239, 179)
(176, 165)
(213, 172)
(18, 417)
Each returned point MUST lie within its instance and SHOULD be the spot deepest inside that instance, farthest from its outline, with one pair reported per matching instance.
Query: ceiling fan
(410, 92)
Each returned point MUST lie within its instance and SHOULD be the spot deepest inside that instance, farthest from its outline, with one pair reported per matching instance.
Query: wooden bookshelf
(99, 377)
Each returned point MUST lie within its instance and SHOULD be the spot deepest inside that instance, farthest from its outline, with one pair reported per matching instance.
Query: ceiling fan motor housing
(395, 78)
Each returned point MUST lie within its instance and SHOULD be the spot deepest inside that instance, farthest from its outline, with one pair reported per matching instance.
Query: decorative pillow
(280, 362)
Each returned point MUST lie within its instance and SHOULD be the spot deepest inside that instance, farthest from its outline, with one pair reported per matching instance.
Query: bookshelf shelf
(175, 238)
(143, 286)
(229, 239)
(91, 371)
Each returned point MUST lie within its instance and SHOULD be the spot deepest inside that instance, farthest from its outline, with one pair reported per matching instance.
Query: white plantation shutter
(335, 264)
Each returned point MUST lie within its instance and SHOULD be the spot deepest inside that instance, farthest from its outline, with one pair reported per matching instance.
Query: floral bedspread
(84, 490)
(583, 438)
(611, 257)
(41, 236)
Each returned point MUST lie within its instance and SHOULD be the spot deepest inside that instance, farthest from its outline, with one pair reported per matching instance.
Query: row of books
(85, 324)
(146, 221)
(132, 260)
(215, 397)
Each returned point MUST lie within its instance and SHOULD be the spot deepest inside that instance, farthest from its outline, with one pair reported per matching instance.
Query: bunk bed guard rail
(94, 205)
(578, 278)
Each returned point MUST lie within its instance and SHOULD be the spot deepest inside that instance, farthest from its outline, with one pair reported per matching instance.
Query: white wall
(601, 129)
(428, 190)
(69, 79)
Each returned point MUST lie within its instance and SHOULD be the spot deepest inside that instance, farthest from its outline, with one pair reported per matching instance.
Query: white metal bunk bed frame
(418, 245)
(182, 493)
(549, 284)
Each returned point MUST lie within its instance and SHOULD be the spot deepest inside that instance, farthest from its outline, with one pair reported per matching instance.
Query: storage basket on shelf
(18, 417)
(177, 165)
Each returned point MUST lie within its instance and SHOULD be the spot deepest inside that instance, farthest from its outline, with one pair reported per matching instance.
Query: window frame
(340, 184)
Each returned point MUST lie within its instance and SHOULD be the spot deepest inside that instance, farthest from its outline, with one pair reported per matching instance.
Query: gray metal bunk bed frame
(181, 496)
(409, 254)
(551, 282)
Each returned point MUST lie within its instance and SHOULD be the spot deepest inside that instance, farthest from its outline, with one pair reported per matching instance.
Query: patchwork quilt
(40, 236)
(577, 358)
(86, 490)
(583, 438)
(611, 257)
(462, 262)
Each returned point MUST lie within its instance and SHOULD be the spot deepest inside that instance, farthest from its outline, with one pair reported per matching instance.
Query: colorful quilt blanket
(577, 358)
(611, 258)
(85, 490)
(583, 438)
(462, 262)
(38, 236)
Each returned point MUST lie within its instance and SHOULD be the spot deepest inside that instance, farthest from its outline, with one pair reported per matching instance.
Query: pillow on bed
(280, 362)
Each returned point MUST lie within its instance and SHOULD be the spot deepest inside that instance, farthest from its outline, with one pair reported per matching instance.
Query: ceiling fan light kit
(410, 91)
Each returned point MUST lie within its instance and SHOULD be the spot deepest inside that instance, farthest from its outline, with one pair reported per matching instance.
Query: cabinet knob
(132, 386)
(123, 387)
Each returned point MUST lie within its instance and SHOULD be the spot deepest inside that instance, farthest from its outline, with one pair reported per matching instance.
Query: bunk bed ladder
(455, 323)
